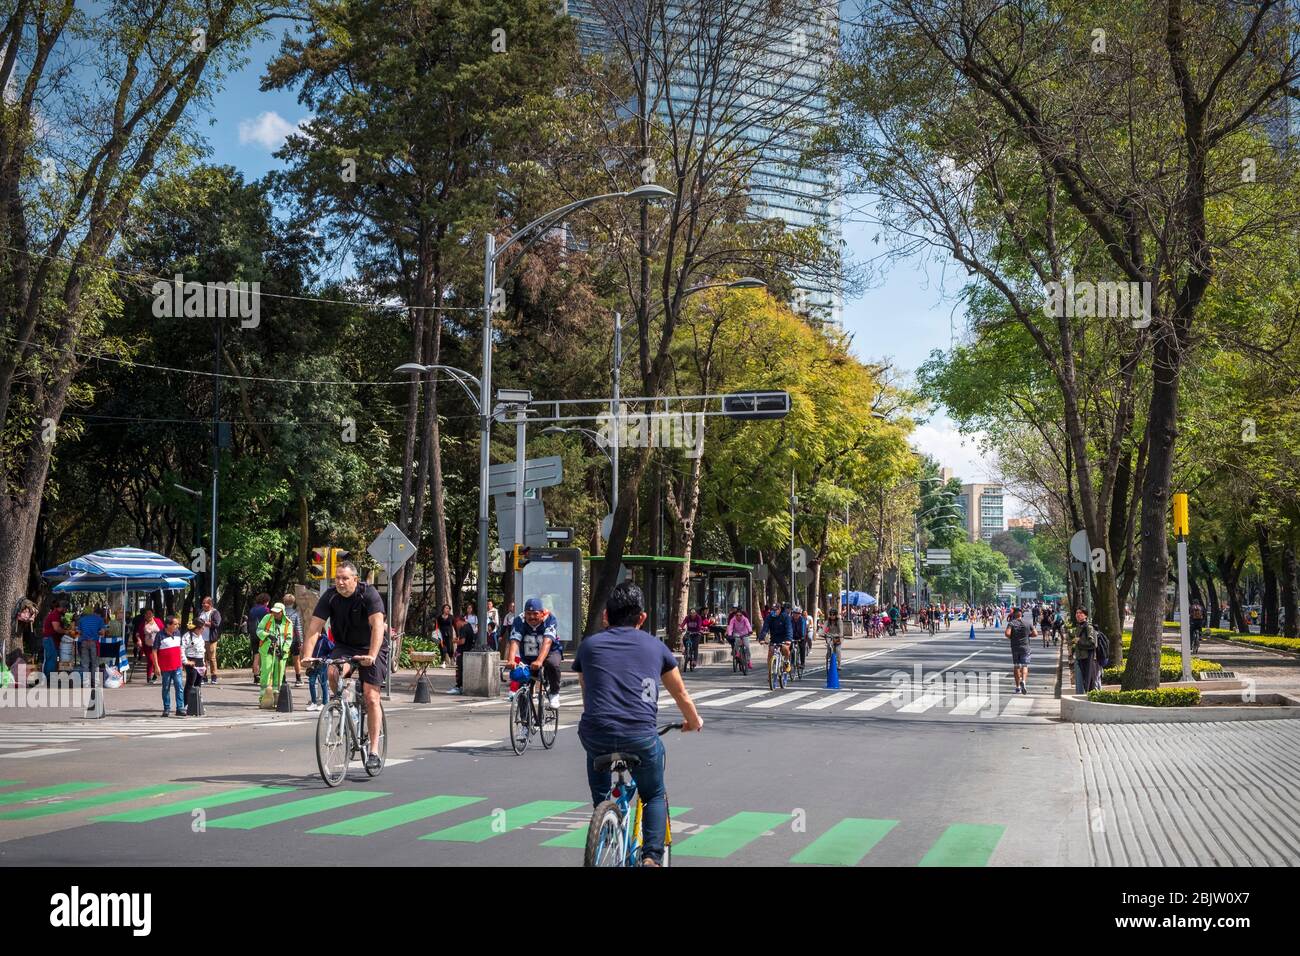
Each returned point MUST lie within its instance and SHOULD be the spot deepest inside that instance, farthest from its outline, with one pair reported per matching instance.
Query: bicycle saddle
(609, 761)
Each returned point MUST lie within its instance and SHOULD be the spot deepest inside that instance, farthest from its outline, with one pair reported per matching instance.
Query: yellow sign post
(1181, 525)
(1184, 624)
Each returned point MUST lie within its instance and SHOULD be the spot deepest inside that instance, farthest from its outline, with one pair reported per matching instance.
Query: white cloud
(965, 455)
(268, 130)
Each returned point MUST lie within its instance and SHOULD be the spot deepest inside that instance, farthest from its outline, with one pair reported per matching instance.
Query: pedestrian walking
(1019, 633)
(211, 619)
(447, 633)
(1196, 616)
(194, 648)
(295, 649)
(167, 657)
(318, 673)
(261, 607)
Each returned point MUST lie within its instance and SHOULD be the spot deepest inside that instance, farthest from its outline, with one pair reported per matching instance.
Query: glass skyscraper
(782, 101)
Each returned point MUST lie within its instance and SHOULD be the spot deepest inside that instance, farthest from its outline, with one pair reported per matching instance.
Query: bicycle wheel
(773, 670)
(382, 749)
(604, 837)
(798, 663)
(548, 718)
(520, 717)
(332, 744)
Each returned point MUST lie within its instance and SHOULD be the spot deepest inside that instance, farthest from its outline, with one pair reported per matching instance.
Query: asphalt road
(922, 756)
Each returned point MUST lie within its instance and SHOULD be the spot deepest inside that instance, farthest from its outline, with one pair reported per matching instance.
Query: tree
(124, 78)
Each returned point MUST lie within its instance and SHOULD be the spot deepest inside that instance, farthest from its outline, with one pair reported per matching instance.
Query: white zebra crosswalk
(24, 741)
(906, 700)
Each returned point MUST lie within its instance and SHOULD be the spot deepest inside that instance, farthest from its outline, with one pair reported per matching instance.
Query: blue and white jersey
(530, 638)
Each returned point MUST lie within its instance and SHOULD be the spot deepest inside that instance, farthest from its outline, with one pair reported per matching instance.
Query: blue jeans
(649, 779)
(50, 656)
(168, 679)
(1082, 676)
(321, 677)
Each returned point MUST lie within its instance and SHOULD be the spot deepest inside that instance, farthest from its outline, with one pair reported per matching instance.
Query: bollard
(423, 690)
(972, 631)
(285, 704)
(194, 703)
(833, 672)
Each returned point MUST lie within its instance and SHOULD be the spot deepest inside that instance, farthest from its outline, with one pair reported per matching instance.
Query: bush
(1272, 641)
(1171, 667)
(1161, 697)
(233, 651)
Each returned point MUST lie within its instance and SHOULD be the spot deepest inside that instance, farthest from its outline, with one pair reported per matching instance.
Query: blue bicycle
(610, 840)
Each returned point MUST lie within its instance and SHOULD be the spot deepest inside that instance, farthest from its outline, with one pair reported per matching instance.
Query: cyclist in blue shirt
(621, 669)
(534, 638)
(779, 627)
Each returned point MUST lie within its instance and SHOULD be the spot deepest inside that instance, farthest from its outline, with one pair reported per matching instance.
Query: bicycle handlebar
(663, 730)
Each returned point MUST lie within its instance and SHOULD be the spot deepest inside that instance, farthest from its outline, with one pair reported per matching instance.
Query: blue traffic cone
(972, 630)
(833, 672)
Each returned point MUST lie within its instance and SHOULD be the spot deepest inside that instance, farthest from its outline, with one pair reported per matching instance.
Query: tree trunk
(1289, 582)
(1268, 623)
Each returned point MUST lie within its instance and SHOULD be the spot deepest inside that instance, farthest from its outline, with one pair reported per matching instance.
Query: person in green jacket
(275, 633)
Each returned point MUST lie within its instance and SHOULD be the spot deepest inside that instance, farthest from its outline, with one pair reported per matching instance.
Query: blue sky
(901, 317)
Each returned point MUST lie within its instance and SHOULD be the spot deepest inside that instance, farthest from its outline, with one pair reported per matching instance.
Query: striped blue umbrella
(84, 581)
(132, 564)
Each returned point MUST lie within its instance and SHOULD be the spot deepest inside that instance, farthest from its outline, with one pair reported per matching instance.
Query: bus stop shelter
(715, 585)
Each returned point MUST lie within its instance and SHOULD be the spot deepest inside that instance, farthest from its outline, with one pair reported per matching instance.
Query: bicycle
(740, 661)
(778, 666)
(798, 657)
(610, 841)
(341, 732)
(530, 712)
(691, 645)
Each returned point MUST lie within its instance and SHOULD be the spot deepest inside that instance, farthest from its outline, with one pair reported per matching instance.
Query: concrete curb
(1079, 710)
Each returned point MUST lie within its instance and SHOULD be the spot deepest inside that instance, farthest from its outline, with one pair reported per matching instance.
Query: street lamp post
(492, 253)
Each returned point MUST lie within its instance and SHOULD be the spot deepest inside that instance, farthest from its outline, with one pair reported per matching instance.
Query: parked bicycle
(613, 841)
(341, 731)
(529, 712)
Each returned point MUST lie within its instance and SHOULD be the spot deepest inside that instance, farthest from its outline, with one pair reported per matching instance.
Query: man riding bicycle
(535, 640)
(800, 639)
(356, 617)
(779, 627)
(620, 670)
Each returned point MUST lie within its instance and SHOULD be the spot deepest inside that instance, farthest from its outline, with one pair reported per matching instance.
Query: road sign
(391, 549)
(534, 522)
(1079, 547)
(606, 526)
(938, 556)
(750, 406)
(538, 473)
(563, 535)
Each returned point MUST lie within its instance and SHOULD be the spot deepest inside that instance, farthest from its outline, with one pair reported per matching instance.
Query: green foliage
(410, 644)
(1161, 697)
(973, 565)
(1272, 641)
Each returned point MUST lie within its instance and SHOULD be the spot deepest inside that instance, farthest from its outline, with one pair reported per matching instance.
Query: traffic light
(521, 556)
(337, 557)
(319, 570)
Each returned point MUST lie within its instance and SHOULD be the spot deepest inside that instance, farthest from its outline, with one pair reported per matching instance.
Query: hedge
(234, 652)
(1272, 641)
(1162, 697)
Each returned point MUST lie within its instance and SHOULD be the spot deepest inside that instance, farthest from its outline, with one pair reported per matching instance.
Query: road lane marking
(91, 803)
(39, 753)
(56, 790)
(970, 705)
(846, 843)
(827, 701)
(304, 806)
(474, 742)
(575, 838)
(190, 804)
(735, 698)
(871, 703)
(397, 816)
(503, 821)
(964, 844)
(725, 838)
(779, 699)
(921, 704)
(1018, 706)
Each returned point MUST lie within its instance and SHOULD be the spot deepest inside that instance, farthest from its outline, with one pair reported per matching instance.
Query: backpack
(1103, 648)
